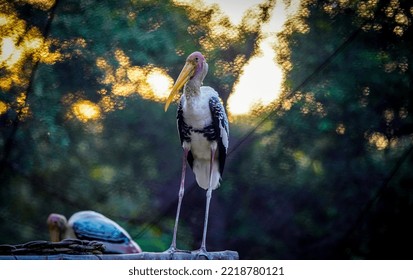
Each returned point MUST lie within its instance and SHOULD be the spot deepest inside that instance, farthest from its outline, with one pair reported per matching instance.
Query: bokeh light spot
(86, 110)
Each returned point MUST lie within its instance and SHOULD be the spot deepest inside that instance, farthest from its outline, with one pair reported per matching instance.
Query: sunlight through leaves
(148, 81)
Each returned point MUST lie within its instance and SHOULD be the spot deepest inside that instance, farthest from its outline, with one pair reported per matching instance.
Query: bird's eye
(196, 59)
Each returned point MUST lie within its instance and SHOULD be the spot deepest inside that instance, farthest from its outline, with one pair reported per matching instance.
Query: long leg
(181, 195)
(208, 201)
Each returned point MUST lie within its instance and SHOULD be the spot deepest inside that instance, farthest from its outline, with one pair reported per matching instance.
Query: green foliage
(70, 142)
(325, 176)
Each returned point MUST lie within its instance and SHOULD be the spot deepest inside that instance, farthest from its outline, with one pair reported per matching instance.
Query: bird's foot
(172, 250)
(202, 254)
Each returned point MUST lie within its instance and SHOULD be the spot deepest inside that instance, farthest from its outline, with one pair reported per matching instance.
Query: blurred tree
(79, 129)
(326, 175)
(330, 145)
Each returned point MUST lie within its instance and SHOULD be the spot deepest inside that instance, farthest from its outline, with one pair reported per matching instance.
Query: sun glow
(234, 9)
(86, 110)
(159, 82)
(259, 85)
(261, 77)
(148, 81)
(21, 45)
(3, 108)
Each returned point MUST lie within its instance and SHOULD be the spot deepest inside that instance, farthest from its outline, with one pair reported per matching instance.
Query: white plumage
(203, 131)
(197, 114)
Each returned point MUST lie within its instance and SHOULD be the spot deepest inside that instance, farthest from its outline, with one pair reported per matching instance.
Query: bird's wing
(99, 229)
(184, 131)
(221, 128)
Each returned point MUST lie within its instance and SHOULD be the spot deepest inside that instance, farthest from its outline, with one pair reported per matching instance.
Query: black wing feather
(184, 131)
(221, 129)
(217, 131)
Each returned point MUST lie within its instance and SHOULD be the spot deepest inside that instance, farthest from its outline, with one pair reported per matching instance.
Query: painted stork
(90, 225)
(203, 131)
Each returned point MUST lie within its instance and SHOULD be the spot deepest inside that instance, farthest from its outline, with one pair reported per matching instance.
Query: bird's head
(195, 68)
(57, 225)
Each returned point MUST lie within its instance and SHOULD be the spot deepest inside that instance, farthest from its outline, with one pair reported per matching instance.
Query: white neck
(192, 88)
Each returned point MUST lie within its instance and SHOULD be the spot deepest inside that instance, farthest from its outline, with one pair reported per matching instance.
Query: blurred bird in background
(90, 225)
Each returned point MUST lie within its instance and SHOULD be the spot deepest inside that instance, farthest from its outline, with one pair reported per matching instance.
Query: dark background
(323, 173)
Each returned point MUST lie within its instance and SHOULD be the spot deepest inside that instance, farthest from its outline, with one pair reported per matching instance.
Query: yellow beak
(54, 234)
(183, 77)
